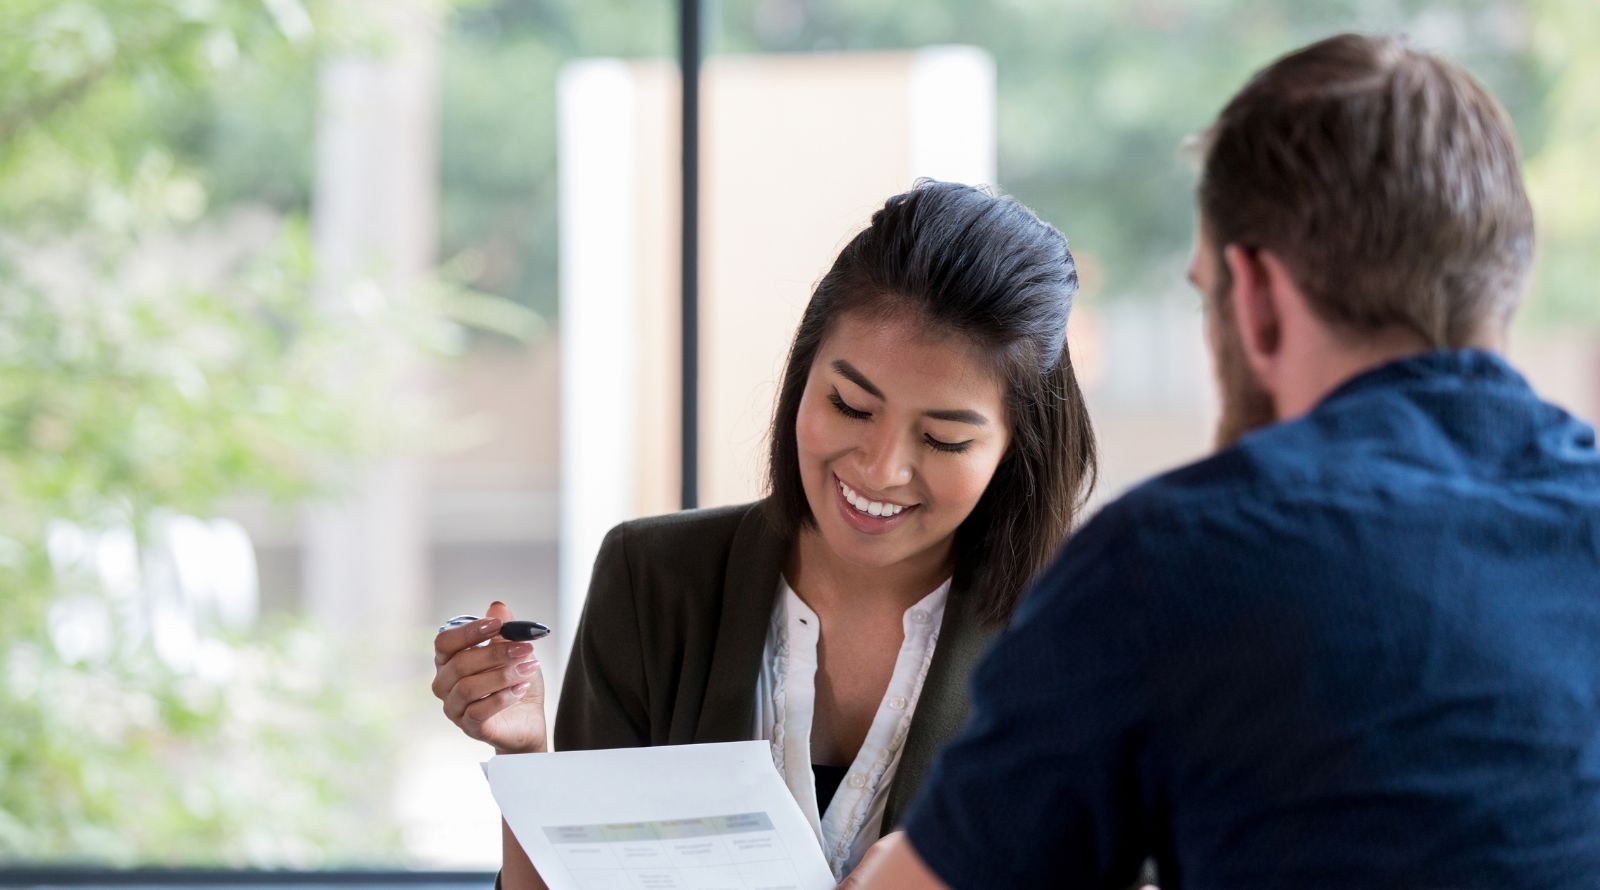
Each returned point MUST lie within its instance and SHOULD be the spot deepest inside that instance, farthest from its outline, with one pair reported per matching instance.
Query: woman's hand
(494, 693)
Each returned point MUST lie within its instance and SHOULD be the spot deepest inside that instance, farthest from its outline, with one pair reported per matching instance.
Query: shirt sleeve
(603, 691)
(1043, 786)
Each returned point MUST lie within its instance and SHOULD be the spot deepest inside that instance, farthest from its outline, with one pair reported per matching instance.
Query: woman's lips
(866, 522)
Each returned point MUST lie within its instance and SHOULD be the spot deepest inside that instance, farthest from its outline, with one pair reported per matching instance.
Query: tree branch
(41, 107)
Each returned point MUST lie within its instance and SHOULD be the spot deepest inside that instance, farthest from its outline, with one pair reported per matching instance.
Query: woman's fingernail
(527, 667)
(519, 688)
(496, 603)
(517, 650)
(487, 626)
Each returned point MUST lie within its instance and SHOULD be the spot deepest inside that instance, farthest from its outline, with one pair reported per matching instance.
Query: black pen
(517, 631)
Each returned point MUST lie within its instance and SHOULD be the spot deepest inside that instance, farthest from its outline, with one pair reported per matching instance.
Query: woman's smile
(873, 517)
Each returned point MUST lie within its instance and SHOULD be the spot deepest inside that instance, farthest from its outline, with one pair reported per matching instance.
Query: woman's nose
(888, 461)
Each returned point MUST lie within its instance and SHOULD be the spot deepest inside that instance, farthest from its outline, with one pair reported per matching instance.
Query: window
(323, 321)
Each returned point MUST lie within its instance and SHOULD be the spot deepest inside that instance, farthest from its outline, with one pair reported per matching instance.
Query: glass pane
(278, 394)
(285, 288)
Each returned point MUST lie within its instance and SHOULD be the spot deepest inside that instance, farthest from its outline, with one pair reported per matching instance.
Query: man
(1359, 646)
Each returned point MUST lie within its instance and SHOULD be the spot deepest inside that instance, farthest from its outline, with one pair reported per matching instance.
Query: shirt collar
(1478, 365)
(930, 608)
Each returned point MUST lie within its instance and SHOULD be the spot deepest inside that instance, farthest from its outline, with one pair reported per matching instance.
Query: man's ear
(1256, 309)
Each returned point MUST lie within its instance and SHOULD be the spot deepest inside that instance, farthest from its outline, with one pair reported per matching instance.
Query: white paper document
(681, 817)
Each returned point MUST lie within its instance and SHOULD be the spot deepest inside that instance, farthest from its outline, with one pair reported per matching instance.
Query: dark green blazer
(669, 647)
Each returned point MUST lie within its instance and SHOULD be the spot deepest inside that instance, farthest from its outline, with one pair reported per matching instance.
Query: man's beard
(1246, 406)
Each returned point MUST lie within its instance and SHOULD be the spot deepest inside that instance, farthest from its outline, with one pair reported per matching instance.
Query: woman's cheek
(968, 485)
(811, 433)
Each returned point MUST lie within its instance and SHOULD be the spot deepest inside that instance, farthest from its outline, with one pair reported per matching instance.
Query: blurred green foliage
(1095, 100)
(1561, 166)
(159, 352)
(1096, 97)
(501, 63)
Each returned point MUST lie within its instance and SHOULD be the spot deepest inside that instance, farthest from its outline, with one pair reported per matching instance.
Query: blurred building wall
(375, 225)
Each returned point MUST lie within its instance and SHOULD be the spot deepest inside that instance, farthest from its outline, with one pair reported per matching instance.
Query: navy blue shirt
(1359, 649)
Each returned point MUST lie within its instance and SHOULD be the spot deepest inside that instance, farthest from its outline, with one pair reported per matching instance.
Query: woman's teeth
(872, 508)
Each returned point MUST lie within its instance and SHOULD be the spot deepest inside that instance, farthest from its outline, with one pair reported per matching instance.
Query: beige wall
(772, 225)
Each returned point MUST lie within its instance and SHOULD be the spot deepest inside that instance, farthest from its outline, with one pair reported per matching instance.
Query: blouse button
(858, 781)
(898, 703)
(919, 617)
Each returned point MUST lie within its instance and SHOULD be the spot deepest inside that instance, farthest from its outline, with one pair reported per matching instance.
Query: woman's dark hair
(985, 268)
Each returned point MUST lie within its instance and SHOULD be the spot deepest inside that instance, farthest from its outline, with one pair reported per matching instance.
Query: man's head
(1358, 200)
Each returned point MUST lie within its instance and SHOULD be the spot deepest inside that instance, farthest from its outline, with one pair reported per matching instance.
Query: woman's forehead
(902, 354)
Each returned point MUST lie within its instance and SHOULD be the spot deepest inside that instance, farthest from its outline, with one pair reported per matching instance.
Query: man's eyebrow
(849, 372)
(958, 415)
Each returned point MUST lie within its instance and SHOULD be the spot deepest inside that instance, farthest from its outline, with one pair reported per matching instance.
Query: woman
(929, 451)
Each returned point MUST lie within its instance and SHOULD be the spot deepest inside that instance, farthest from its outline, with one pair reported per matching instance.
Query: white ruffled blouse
(786, 700)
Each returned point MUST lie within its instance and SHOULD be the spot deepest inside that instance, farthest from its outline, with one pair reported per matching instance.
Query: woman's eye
(846, 410)
(948, 447)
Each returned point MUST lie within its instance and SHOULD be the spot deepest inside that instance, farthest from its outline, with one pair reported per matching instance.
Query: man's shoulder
(1182, 517)
(1261, 465)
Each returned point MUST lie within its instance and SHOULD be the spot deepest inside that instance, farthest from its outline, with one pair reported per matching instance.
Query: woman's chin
(867, 551)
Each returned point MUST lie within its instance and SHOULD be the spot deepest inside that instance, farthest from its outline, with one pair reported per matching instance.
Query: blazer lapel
(943, 706)
(750, 585)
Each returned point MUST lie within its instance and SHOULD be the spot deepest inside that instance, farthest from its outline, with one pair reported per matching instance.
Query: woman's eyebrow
(849, 372)
(958, 415)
